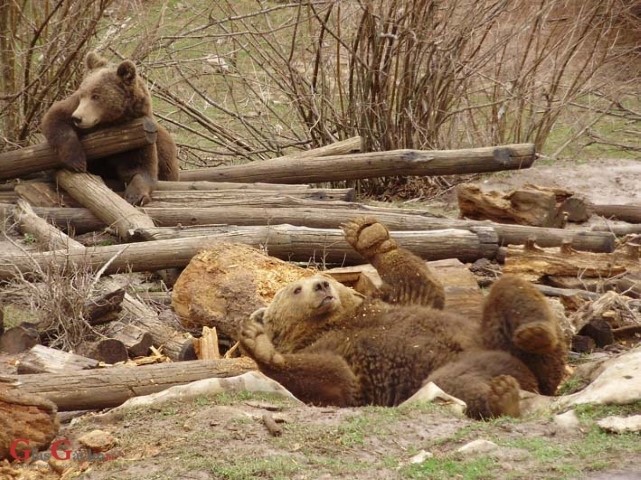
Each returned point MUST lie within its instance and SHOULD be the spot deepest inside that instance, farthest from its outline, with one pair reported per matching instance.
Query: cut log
(41, 359)
(332, 215)
(136, 340)
(112, 209)
(18, 339)
(535, 263)
(626, 213)
(172, 342)
(618, 230)
(44, 232)
(105, 142)
(164, 185)
(524, 206)
(41, 194)
(109, 387)
(105, 307)
(372, 165)
(108, 350)
(283, 241)
(213, 198)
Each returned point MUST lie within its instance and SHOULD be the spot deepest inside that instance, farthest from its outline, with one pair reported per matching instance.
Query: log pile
(269, 205)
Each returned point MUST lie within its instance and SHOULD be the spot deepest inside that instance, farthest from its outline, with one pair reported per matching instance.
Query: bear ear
(127, 72)
(93, 61)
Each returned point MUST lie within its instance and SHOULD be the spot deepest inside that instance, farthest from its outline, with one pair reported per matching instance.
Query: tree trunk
(109, 387)
(331, 216)
(41, 359)
(105, 142)
(371, 165)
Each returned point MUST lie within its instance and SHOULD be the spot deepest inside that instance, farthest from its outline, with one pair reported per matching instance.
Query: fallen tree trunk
(625, 213)
(213, 198)
(41, 359)
(331, 216)
(105, 142)
(372, 165)
(284, 241)
(109, 387)
(90, 191)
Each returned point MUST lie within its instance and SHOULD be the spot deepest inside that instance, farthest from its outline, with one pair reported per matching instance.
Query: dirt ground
(225, 437)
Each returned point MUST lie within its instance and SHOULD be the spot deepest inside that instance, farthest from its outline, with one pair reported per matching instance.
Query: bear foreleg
(61, 135)
(316, 378)
(407, 280)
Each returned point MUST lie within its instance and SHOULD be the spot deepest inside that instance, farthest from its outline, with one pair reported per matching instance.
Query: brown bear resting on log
(332, 346)
(111, 95)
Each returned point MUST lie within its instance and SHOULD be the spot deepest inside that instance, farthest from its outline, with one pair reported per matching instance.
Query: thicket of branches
(240, 80)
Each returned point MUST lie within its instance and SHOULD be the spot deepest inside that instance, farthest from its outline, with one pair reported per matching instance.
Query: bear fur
(111, 95)
(332, 346)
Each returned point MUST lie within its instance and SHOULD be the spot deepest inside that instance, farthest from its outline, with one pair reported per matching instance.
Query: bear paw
(503, 397)
(257, 344)
(368, 237)
(536, 337)
(76, 163)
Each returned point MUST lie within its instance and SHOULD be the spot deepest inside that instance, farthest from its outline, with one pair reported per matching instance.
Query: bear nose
(76, 120)
(321, 285)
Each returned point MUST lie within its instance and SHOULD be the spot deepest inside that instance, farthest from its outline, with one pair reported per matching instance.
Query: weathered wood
(112, 209)
(136, 340)
(618, 230)
(108, 350)
(212, 198)
(626, 213)
(283, 241)
(331, 215)
(104, 308)
(169, 340)
(42, 194)
(207, 345)
(342, 147)
(44, 232)
(109, 387)
(524, 206)
(102, 143)
(534, 262)
(41, 359)
(371, 165)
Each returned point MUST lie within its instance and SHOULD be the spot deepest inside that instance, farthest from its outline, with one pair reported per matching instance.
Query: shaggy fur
(111, 95)
(332, 346)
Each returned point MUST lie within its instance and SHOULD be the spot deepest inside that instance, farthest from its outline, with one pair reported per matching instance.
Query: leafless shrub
(42, 43)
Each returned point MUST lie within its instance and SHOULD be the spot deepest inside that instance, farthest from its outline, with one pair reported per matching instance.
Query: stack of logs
(267, 202)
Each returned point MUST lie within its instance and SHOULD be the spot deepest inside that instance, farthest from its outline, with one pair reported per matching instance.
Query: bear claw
(368, 237)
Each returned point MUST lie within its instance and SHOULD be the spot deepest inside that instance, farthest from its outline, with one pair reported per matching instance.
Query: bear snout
(321, 286)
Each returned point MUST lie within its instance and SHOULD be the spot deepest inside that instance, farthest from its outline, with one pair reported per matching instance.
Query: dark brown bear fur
(111, 95)
(332, 346)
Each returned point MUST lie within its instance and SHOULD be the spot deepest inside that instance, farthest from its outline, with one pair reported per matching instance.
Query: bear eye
(95, 96)
(297, 290)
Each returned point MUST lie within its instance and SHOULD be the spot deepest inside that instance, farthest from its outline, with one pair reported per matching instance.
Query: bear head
(301, 311)
(110, 94)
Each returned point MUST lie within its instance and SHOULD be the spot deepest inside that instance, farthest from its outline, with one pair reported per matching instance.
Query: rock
(98, 441)
(478, 446)
(567, 421)
(617, 424)
(421, 456)
(430, 392)
(28, 417)
(225, 284)
(618, 381)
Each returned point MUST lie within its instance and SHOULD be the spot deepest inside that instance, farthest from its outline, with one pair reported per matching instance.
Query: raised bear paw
(536, 337)
(256, 343)
(368, 237)
(503, 397)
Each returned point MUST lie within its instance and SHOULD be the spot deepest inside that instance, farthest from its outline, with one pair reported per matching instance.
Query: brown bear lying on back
(111, 95)
(332, 346)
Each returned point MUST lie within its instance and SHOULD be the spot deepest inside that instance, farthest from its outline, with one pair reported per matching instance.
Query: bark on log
(331, 216)
(42, 194)
(372, 165)
(102, 143)
(342, 147)
(283, 241)
(618, 230)
(41, 359)
(109, 387)
(112, 209)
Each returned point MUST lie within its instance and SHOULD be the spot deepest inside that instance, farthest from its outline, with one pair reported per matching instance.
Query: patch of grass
(571, 385)
(591, 412)
(449, 468)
